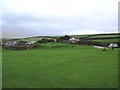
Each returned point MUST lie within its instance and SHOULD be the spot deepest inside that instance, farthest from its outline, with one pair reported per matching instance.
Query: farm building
(9, 44)
(31, 44)
(19, 45)
(113, 45)
(74, 40)
(14, 45)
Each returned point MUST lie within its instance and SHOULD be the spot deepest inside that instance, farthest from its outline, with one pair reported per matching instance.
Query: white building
(31, 42)
(10, 43)
(113, 45)
(73, 40)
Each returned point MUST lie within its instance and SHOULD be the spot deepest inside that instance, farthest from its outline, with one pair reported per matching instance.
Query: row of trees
(44, 40)
(60, 39)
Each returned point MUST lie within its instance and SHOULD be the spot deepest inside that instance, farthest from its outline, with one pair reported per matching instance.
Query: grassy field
(104, 36)
(107, 40)
(58, 66)
(97, 35)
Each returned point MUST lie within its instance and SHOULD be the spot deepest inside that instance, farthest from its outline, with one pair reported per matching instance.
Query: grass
(60, 67)
(96, 36)
(104, 36)
(107, 40)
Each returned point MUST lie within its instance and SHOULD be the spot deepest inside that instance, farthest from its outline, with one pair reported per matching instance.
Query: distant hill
(109, 37)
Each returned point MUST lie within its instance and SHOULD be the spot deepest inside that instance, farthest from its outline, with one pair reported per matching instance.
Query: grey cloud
(17, 18)
(20, 25)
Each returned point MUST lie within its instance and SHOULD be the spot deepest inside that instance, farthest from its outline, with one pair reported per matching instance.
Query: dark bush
(50, 40)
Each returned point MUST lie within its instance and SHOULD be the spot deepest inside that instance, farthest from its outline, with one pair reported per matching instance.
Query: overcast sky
(23, 18)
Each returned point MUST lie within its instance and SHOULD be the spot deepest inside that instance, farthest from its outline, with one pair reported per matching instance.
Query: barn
(74, 40)
(21, 45)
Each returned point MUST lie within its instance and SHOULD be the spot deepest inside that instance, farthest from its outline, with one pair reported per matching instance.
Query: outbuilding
(113, 45)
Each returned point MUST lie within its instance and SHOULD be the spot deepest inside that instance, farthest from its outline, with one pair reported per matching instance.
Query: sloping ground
(105, 38)
(99, 39)
(97, 35)
(90, 36)
(65, 67)
(104, 35)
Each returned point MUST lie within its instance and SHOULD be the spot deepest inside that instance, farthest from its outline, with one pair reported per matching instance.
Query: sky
(24, 18)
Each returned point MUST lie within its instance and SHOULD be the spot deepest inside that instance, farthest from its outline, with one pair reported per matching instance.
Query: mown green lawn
(60, 67)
